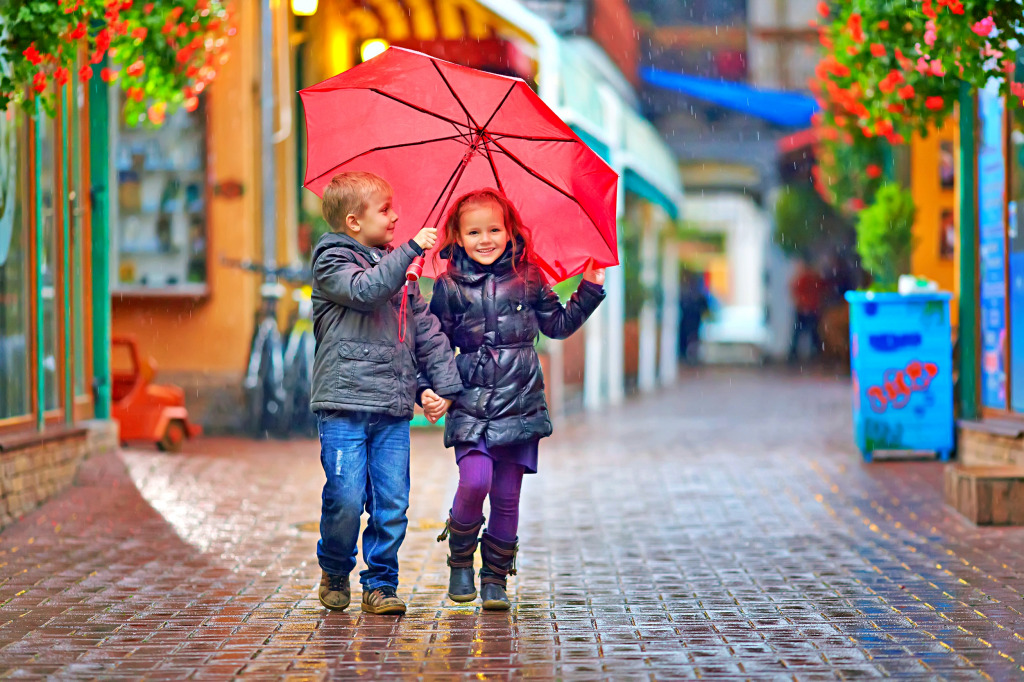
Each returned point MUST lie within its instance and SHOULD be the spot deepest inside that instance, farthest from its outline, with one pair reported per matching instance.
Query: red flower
(883, 25)
(182, 30)
(85, 73)
(191, 72)
(934, 103)
(855, 28)
(147, 8)
(936, 68)
(136, 94)
(956, 7)
(61, 76)
(78, 32)
(857, 203)
(984, 27)
(140, 33)
(108, 75)
(906, 92)
(137, 68)
(71, 9)
(39, 81)
(852, 50)
(176, 13)
(928, 10)
(873, 170)
(32, 55)
(877, 50)
(823, 9)
(103, 41)
(866, 131)
(896, 108)
(191, 103)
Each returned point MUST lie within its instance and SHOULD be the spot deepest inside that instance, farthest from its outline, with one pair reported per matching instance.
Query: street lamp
(371, 48)
(304, 8)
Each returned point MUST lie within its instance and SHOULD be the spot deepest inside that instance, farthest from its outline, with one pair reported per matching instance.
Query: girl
(491, 303)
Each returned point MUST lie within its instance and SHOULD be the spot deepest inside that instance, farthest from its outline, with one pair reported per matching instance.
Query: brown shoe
(335, 592)
(383, 601)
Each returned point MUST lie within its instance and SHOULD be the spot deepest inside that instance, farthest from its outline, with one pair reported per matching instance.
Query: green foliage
(885, 236)
(802, 218)
(163, 53)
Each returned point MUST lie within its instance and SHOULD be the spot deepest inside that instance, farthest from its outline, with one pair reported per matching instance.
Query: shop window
(15, 395)
(49, 258)
(160, 223)
(79, 247)
(992, 246)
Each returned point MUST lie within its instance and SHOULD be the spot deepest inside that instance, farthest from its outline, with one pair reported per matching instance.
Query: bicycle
(299, 352)
(268, 404)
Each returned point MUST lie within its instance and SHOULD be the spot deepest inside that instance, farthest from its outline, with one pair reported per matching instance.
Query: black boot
(499, 559)
(462, 542)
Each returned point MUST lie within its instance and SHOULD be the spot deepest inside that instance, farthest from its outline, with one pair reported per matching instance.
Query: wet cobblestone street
(725, 529)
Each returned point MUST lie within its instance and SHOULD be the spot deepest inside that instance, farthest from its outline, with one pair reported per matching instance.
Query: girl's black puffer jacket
(493, 313)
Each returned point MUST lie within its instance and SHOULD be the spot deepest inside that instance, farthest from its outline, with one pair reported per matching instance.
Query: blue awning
(779, 107)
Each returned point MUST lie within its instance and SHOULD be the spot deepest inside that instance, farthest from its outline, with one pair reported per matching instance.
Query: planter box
(901, 359)
(992, 496)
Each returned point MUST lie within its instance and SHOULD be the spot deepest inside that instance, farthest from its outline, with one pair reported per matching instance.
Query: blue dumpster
(901, 356)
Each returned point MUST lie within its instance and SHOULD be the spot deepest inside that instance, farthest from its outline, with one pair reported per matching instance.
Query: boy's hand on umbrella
(426, 238)
(594, 275)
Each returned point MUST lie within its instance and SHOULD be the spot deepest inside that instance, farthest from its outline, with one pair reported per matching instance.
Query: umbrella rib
(553, 186)
(494, 169)
(386, 147)
(441, 194)
(469, 116)
(511, 136)
(498, 108)
(420, 109)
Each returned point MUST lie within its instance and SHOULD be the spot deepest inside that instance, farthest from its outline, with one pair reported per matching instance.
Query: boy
(364, 385)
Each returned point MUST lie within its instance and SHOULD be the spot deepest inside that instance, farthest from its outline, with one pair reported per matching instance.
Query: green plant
(802, 218)
(885, 236)
(163, 53)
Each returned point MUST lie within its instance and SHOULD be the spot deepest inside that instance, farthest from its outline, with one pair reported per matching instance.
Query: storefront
(47, 367)
(992, 244)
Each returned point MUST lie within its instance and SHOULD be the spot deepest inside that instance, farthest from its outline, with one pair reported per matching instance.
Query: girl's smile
(482, 232)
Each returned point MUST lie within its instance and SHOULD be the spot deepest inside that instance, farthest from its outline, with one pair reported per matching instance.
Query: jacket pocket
(364, 365)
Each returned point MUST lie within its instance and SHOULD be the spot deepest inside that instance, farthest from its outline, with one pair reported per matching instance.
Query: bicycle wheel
(298, 384)
(264, 384)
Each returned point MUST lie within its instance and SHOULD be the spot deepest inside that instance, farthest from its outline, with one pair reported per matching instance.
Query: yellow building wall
(212, 335)
(936, 206)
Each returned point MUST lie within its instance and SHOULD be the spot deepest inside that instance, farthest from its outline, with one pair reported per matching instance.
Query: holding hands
(434, 406)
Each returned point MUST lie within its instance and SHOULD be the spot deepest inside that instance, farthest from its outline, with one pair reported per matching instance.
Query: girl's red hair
(517, 232)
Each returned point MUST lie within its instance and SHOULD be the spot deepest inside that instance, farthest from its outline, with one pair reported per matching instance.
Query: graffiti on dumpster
(899, 385)
(881, 435)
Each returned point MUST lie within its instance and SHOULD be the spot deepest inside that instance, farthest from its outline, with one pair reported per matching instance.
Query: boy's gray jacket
(360, 364)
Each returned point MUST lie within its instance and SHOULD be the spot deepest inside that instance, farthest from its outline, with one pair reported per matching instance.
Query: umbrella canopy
(436, 130)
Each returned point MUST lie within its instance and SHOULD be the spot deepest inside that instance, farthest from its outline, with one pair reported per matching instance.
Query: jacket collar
(335, 240)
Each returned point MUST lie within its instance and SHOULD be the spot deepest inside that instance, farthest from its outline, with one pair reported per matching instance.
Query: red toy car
(146, 411)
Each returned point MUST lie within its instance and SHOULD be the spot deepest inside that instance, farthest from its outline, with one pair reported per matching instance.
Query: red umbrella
(435, 130)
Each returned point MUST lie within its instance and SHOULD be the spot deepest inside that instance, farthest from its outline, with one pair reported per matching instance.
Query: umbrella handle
(415, 269)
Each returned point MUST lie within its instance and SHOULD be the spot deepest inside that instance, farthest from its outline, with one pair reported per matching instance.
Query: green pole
(968, 256)
(69, 339)
(40, 121)
(99, 174)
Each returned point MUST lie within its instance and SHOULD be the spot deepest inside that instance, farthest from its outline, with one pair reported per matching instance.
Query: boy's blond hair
(348, 193)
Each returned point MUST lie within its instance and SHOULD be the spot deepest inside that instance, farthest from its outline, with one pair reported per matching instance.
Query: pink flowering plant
(162, 53)
(892, 68)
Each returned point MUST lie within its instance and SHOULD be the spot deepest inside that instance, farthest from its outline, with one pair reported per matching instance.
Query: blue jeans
(366, 459)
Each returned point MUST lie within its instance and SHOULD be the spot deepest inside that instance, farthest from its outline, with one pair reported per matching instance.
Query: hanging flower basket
(162, 53)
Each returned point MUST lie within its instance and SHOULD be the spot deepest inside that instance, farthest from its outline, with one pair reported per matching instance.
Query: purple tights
(479, 475)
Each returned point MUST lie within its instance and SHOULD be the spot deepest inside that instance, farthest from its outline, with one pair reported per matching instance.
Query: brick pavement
(722, 530)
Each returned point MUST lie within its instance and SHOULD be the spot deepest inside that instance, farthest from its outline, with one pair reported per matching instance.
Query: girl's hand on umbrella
(594, 275)
(426, 238)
